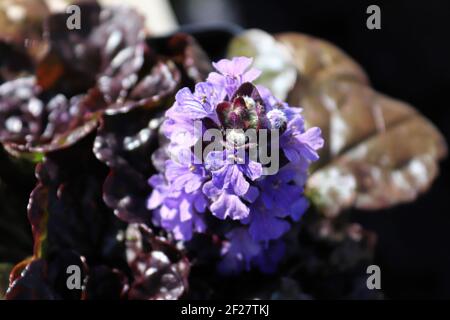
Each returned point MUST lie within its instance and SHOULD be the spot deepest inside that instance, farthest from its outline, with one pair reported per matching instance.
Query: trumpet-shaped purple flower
(300, 145)
(229, 172)
(201, 103)
(229, 184)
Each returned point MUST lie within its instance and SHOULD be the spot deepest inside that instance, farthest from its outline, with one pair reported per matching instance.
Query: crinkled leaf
(126, 149)
(378, 151)
(81, 54)
(106, 66)
(32, 283)
(159, 269)
(47, 279)
(190, 58)
(66, 209)
(32, 123)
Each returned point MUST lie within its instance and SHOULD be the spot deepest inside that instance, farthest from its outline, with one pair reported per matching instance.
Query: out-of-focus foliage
(378, 151)
(21, 23)
(278, 70)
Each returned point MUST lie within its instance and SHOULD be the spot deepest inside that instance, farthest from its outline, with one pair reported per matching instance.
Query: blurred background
(407, 59)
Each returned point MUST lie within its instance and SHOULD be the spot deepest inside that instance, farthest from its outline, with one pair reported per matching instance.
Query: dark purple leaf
(160, 270)
(378, 151)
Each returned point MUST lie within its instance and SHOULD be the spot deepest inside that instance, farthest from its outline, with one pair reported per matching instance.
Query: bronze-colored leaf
(21, 23)
(5, 269)
(378, 152)
(278, 70)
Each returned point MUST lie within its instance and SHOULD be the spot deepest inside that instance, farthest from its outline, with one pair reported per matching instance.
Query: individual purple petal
(210, 190)
(189, 104)
(159, 192)
(233, 73)
(251, 194)
(278, 193)
(252, 169)
(313, 141)
(231, 176)
(251, 75)
(180, 215)
(179, 128)
(216, 78)
(199, 104)
(229, 205)
(234, 67)
(299, 208)
(209, 95)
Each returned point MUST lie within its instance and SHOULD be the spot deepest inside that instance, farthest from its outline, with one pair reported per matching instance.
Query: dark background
(409, 59)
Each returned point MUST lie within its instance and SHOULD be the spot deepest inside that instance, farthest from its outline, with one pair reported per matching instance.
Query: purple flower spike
(224, 190)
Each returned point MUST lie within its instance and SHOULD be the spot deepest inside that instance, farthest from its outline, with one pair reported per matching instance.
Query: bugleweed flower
(255, 207)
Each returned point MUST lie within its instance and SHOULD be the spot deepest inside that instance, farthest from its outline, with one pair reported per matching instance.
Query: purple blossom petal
(252, 169)
(229, 205)
(251, 75)
(184, 175)
(251, 194)
(180, 215)
(233, 73)
(269, 258)
(233, 67)
(190, 105)
(299, 145)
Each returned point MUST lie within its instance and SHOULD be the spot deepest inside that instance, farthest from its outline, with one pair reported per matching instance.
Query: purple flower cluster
(228, 184)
